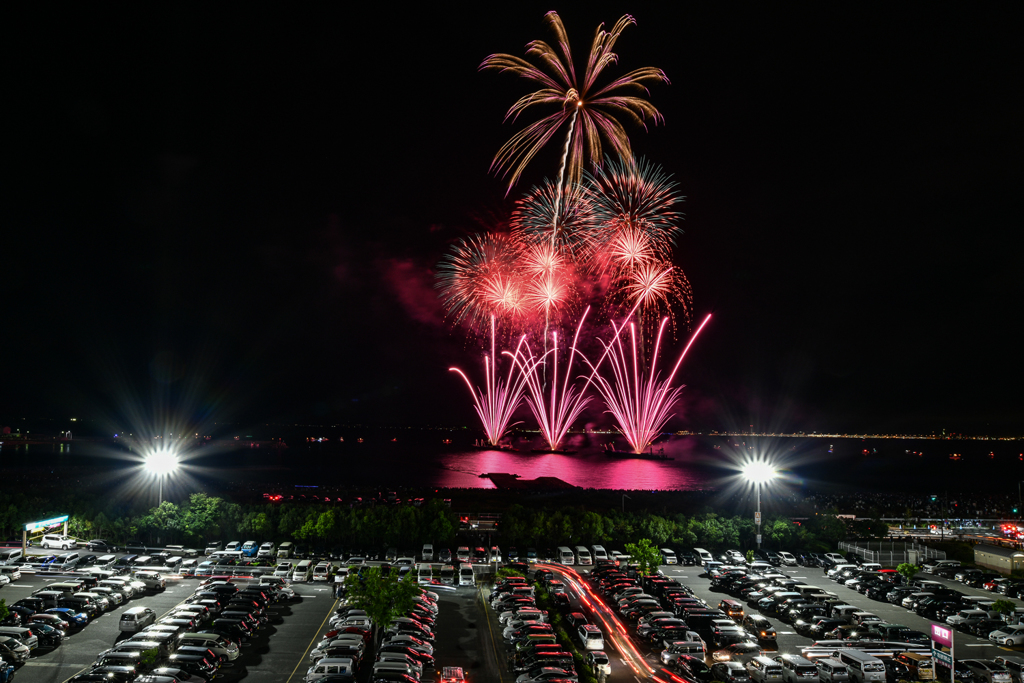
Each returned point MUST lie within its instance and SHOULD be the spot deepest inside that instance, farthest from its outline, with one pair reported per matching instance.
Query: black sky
(234, 213)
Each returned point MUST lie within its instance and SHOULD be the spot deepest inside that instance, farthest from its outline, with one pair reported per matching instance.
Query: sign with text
(942, 635)
(757, 517)
(46, 523)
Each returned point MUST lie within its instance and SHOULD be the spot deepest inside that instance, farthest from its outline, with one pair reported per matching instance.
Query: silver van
(796, 669)
(565, 555)
(764, 670)
(12, 650)
(583, 556)
(12, 572)
(10, 555)
(220, 645)
(862, 667)
(67, 561)
(832, 671)
(135, 619)
(21, 634)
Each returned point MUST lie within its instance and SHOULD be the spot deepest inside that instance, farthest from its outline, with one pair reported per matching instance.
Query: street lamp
(161, 463)
(758, 473)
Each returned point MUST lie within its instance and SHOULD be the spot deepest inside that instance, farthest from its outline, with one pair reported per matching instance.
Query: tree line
(202, 517)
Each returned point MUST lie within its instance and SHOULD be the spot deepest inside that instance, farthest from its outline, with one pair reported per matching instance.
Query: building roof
(998, 550)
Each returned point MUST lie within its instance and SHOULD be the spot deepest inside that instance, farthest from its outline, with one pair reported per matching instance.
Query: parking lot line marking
(497, 656)
(38, 663)
(310, 646)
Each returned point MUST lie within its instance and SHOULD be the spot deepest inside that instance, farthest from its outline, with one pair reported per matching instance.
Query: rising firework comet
(640, 401)
(589, 111)
(557, 407)
(498, 400)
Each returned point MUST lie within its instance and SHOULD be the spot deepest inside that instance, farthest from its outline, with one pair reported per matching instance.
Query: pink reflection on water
(594, 470)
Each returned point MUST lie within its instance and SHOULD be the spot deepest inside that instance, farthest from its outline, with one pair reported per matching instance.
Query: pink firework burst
(639, 400)
(497, 402)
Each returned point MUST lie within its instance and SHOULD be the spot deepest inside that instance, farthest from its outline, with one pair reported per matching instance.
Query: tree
(907, 570)
(383, 597)
(1004, 606)
(3, 609)
(645, 555)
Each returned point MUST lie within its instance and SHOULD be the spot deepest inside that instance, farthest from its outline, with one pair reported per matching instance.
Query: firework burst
(589, 111)
(639, 400)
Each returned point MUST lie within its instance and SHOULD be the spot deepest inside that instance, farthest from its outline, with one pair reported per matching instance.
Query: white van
(136, 618)
(565, 555)
(13, 573)
(668, 556)
(863, 667)
(447, 575)
(598, 552)
(424, 573)
(591, 637)
(283, 570)
(233, 545)
(427, 553)
(704, 556)
(302, 571)
(466, 575)
(266, 550)
(583, 557)
(10, 555)
(284, 551)
(322, 572)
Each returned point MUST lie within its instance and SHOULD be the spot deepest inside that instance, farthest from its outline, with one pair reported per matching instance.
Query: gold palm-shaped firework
(590, 111)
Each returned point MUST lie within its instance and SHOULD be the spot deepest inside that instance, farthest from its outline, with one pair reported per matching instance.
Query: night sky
(235, 215)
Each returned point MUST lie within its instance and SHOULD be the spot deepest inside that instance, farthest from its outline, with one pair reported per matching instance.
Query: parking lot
(278, 651)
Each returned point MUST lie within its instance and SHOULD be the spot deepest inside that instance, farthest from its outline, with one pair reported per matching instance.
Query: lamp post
(624, 497)
(758, 473)
(161, 463)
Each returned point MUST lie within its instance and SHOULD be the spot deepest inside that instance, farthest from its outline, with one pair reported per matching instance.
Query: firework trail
(640, 402)
(591, 111)
(498, 401)
(556, 410)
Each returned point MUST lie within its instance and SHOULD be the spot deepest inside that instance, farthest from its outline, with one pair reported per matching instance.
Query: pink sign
(942, 635)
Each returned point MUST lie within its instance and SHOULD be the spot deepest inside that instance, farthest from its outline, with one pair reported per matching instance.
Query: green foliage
(907, 570)
(1004, 606)
(870, 528)
(505, 572)
(149, 657)
(383, 597)
(3, 609)
(647, 557)
(750, 556)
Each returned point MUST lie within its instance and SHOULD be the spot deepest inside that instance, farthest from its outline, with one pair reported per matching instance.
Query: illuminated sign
(942, 635)
(46, 523)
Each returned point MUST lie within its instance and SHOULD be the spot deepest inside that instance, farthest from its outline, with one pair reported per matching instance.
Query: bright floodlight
(759, 472)
(162, 462)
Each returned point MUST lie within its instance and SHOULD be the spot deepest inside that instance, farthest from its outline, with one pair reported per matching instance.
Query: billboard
(45, 524)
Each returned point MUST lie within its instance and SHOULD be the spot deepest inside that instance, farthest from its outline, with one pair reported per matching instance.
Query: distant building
(997, 557)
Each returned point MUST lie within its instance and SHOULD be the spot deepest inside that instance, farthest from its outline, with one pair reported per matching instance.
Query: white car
(4, 579)
(1008, 635)
(283, 570)
(58, 541)
(330, 666)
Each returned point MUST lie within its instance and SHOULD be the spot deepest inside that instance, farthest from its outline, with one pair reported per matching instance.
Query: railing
(897, 553)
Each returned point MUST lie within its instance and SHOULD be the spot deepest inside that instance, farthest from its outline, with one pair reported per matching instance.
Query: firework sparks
(498, 401)
(557, 409)
(639, 401)
(589, 111)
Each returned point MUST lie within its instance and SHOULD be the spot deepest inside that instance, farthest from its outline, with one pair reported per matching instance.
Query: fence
(891, 554)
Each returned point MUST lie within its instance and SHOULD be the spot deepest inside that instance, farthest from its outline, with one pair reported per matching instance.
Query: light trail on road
(614, 629)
